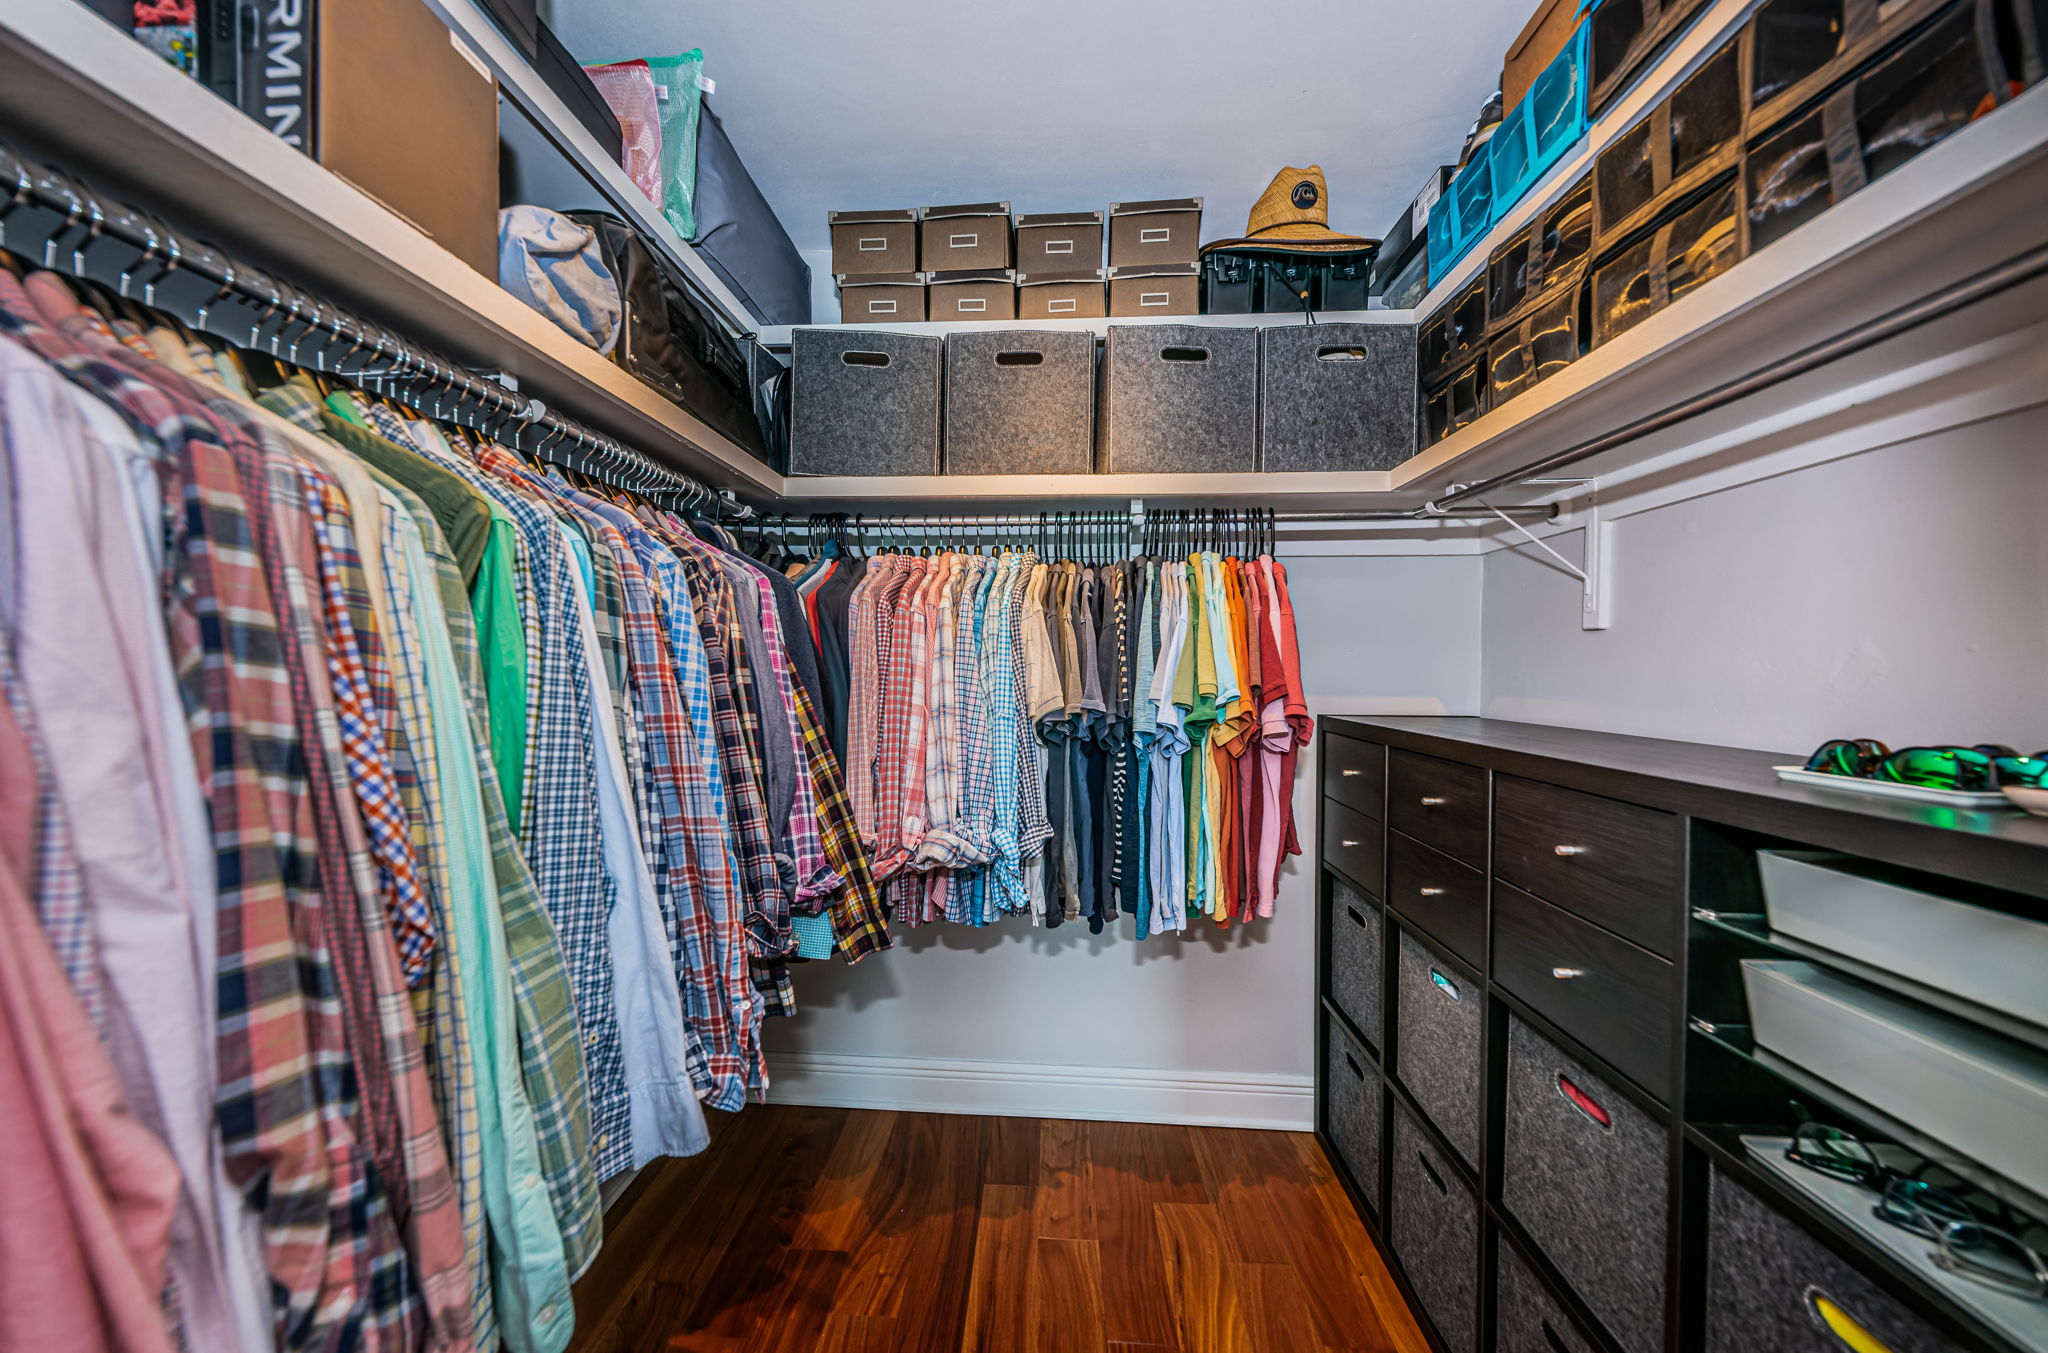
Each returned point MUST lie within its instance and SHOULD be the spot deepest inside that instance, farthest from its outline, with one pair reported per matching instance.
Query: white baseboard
(1043, 1090)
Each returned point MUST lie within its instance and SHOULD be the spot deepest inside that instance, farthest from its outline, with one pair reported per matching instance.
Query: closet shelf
(778, 335)
(95, 101)
(1976, 199)
(523, 85)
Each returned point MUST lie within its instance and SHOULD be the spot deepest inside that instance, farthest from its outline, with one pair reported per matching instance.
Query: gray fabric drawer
(1357, 977)
(1020, 402)
(1352, 1109)
(1526, 1318)
(1440, 1025)
(865, 403)
(1433, 1226)
(1764, 1275)
(1594, 1197)
(1336, 396)
(1178, 398)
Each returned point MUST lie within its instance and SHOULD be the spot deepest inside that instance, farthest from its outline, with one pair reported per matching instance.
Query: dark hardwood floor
(850, 1231)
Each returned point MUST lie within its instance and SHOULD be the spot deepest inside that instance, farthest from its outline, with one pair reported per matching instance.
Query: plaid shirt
(754, 849)
(710, 952)
(431, 1217)
(899, 724)
(286, 1097)
(860, 925)
(814, 875)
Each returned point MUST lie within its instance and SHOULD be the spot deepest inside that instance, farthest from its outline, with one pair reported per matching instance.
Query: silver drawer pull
(1431, 892)
(1349, 844)
(1347, 774)
(1569, 850)
(1432, 803)
(1567, 974)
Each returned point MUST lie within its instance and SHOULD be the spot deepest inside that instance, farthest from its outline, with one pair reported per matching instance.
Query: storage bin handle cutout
(1019, 358)
(1356, 915)
(1183, 354)
(864, 358)
(1434, 1177)
(1356, 1069)
(1584, 1103)
(1341, 355)
(1836, 1321)
(1550, 1337)
(1446, 985)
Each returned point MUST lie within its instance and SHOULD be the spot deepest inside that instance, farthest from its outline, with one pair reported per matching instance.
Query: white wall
(1900, 594)
(1214, 1026)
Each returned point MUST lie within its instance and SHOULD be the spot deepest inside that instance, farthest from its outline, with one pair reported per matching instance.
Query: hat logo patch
(1304, 195)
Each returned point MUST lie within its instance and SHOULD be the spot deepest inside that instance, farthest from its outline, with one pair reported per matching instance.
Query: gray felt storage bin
(1357, 976)
(1440, 1025)
(1526, 1318)
(1767, 1281)
(1353, 1109)
(1433, 1226)
(1336, 396)
(1020, 402)
(1177, 398)
(1591, 1194)
(865, 403)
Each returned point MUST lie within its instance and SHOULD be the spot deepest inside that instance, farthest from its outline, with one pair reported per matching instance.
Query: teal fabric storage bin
(1549, 121)
(1463, 216)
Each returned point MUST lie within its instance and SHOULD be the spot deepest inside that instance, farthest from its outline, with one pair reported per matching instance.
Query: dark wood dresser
(1536, 1073)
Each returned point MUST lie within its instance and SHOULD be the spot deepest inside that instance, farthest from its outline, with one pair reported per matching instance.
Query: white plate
(1886, 789)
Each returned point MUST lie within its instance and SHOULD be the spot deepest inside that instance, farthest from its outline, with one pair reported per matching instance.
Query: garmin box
(1142, 234)
(881, 298)
(869, 242)
(1155, 289)
(975, 236)
(1020, 402)
(1178, 398)
(864, 403)
(1077, 294)
(1061, 242)
(1409, 234)
(969, 294)
(1336, 396)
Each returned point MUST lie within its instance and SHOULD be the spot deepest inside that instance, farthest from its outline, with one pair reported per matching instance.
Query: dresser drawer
(1351, 1110)
(1526, 1319)
(1440, 1027)
(1439, 895)
(1769, 1283)
(1355, 773)
(1614, 863)
(1442, 803)
(1357, 976)
(1605, 992)
(1353, 845)
(1587, 1174)
(1433, 1228)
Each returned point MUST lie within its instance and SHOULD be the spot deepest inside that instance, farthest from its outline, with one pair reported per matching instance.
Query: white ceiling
(1068, 105)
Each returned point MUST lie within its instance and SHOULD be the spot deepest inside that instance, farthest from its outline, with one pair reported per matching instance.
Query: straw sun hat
(1293, 217)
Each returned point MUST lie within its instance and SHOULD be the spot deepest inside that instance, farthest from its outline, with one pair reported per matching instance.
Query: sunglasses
(1965, 1243)
(1980, 769)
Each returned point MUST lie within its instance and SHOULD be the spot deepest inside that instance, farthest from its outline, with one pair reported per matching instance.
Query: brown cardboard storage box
(1074, 294)
(405, 112)
(1164, 289)
(1061, 242)
(881, 298)
(1144, 233)
(1538, 44)
(869, 242)
(957, 239)
(984, 293)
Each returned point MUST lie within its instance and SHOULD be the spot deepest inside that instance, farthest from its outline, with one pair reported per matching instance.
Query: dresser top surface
(1998, 848)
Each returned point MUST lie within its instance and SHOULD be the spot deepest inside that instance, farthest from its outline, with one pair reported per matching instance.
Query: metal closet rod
(416, 374)
(2015, 271)
(823, 521)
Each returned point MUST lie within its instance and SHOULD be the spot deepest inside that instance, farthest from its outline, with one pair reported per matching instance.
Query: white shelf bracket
(1596, 573)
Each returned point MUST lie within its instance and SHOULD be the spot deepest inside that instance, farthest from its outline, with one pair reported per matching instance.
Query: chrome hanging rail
(300, 329)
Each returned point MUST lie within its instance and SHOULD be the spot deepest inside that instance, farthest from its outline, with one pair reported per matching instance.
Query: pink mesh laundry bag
(628, 87)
